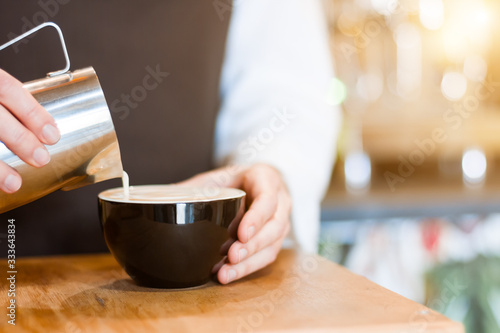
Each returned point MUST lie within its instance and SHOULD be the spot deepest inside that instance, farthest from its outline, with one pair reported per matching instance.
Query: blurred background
(413, 202)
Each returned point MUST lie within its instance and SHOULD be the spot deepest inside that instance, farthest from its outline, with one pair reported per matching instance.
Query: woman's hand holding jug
(25, 126)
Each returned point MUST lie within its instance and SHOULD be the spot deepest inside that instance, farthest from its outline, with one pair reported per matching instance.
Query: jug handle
(35, 29)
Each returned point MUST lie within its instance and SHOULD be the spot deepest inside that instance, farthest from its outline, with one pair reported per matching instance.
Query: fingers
(27, 110)
(262, 187)
(273, 231)
(262, 249)
(223, 177)
(24, 127)
(197, 180)
(21, 141)
(262, 228)
(261, 210)
(10, 181)
(229, 273)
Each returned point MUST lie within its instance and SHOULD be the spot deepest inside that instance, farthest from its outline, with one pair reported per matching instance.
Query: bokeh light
(382, 6)
(431, 13)
(474, 166)
(357, 170)
(337, 92)
(453, 86)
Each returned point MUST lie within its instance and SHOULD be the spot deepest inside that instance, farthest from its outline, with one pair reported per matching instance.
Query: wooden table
(298, 293)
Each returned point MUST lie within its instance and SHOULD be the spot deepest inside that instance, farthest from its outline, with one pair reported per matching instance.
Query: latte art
(169, 194)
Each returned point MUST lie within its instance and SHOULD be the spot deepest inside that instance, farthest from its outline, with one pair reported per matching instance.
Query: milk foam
(168, 194)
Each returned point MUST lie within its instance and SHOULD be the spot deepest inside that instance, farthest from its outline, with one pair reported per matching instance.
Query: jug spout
(105, 165)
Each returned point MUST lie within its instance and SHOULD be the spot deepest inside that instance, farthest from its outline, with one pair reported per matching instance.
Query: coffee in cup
(170, 236)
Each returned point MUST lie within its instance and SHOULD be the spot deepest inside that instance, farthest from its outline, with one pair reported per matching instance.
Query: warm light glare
(454, 86)
(468, 26)
(479, 25)
(474, 166)
(337, 92)
(382, 6)
(357, 170)
(431, 13)
(481, 17)
(454, 43)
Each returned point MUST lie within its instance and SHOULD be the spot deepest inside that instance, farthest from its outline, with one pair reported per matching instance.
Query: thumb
(222, 177)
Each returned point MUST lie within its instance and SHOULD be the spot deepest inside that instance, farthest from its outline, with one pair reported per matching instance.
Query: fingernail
(242, 254)
(251, 231)
(41, 156)
(231, 275)
(12, 183)
(51, 133)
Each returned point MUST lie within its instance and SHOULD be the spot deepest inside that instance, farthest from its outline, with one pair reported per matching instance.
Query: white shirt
(274, 86)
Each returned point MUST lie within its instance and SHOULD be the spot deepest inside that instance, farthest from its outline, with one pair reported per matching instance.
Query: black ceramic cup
(168, 236)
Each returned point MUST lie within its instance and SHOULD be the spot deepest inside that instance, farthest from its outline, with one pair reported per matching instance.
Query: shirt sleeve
(274, 108)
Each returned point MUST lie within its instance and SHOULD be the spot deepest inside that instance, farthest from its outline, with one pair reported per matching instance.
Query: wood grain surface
(298, 293)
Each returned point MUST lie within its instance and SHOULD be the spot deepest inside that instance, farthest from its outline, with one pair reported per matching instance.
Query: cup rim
(233, 194)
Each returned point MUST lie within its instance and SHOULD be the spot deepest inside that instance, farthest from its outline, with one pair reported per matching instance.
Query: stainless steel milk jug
(88, 150)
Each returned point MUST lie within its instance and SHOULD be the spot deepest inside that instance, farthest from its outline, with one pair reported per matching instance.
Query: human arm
(275, 135)
(266, 221)
(274, 90)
